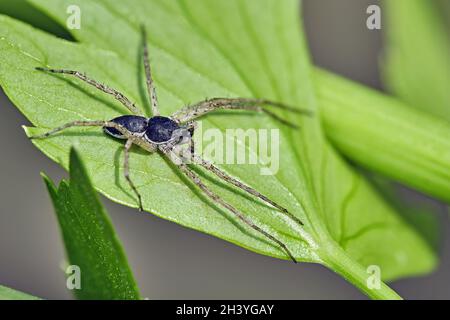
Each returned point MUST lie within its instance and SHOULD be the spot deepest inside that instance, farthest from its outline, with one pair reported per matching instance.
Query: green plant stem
(339, 261)
(385, 135)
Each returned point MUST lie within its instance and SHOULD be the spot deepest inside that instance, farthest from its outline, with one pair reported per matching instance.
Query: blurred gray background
(169, 261)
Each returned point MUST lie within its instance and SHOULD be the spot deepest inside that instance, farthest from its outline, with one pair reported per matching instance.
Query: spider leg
(217, 199)
(116, 94)
(148, 73)
(95, 123)
(191, 126)
(194, 111)
(226, 177)
(126, 172)
(68, 125)
(192, 147)
(255, 101)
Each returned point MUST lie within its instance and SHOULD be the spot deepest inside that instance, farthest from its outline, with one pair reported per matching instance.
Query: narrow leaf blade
(90, 240)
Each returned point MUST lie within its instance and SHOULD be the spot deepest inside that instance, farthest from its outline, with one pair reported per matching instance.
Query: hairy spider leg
(148, 74)
(197, 159)
(128, 135)
(226, 177)
(94, 123)
(167, 150)
(197, 110)
(192, 147)
(191, 126)
(116, 94)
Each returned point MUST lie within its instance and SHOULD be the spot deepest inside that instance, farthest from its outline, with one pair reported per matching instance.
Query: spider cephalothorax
(162, 134)
(161, 130)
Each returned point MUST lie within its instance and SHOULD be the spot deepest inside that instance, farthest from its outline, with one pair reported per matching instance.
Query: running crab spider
(164, 134)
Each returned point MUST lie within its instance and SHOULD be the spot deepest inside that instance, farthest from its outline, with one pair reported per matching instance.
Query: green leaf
(417, 62)
(213, 48)
(11, 294)
(89, 238)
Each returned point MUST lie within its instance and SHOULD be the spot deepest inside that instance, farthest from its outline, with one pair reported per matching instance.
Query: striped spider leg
(167, 150)
(202, 108)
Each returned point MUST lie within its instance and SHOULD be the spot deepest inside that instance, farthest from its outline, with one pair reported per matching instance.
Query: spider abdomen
(160, 129)
(134, 124)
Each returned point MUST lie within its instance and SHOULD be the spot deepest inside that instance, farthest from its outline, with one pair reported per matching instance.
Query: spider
(164, 134)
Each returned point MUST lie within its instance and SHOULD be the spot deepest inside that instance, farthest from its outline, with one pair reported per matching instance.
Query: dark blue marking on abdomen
(134, 124)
